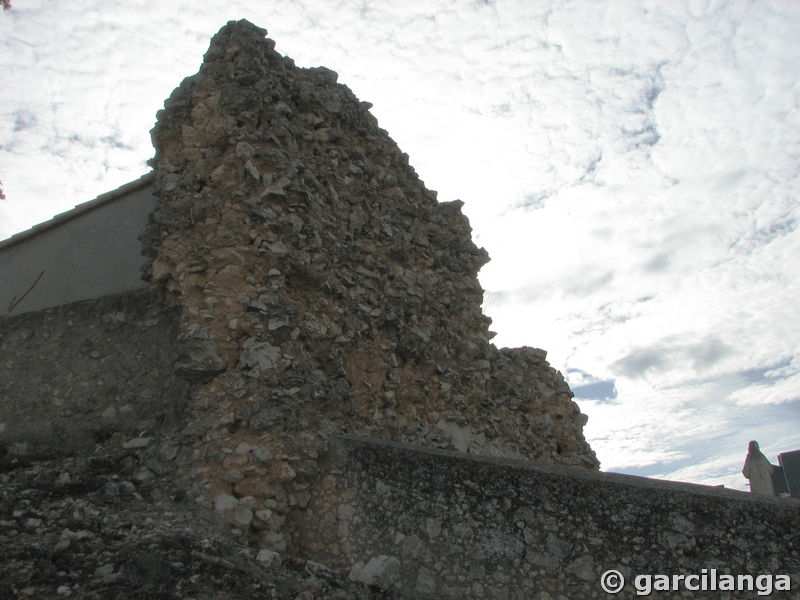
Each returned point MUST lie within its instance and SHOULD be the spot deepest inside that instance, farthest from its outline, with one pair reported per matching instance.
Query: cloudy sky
(631, 167)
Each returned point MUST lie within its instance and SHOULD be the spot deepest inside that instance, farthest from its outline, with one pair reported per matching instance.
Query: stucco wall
(89, 252)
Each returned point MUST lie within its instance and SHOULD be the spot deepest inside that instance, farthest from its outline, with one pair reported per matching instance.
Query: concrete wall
(89, 252)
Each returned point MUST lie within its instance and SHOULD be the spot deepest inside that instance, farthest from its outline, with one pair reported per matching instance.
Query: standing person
(759, 471)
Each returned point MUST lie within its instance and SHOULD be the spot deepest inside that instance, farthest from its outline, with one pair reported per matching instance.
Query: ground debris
(97, 534)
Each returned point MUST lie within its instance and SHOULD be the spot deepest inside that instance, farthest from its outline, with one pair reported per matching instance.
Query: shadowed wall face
(432, 524)
(73, 375)
(92, 254)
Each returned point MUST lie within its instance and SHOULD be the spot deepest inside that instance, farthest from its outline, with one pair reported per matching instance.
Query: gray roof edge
(80, 209)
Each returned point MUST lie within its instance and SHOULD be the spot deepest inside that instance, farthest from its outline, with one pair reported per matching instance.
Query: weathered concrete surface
(89, 252)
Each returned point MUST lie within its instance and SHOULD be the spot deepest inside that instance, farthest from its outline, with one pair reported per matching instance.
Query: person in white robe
(758, 470)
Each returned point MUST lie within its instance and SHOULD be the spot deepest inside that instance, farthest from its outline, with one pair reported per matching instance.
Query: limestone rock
(137, 442)
(268, 557)
(200, 360)
(258, 357)
(425, 584)
(225, 502)
(381, 571)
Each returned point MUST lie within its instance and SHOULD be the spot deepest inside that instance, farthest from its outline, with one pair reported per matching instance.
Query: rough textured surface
(415, 523)
(94, 437)
(90, 526)
(73, 375)
(454, 526)
(324, 287)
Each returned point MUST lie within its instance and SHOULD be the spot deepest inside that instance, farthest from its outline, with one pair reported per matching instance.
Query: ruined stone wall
(325, 289)
(436, 524)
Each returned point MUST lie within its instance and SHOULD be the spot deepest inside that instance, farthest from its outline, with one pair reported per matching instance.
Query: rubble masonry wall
(439, 524)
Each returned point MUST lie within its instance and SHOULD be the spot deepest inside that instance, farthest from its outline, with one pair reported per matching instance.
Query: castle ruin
(304, 368)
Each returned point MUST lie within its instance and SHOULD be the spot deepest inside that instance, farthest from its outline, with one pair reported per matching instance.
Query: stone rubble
(90, 528)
